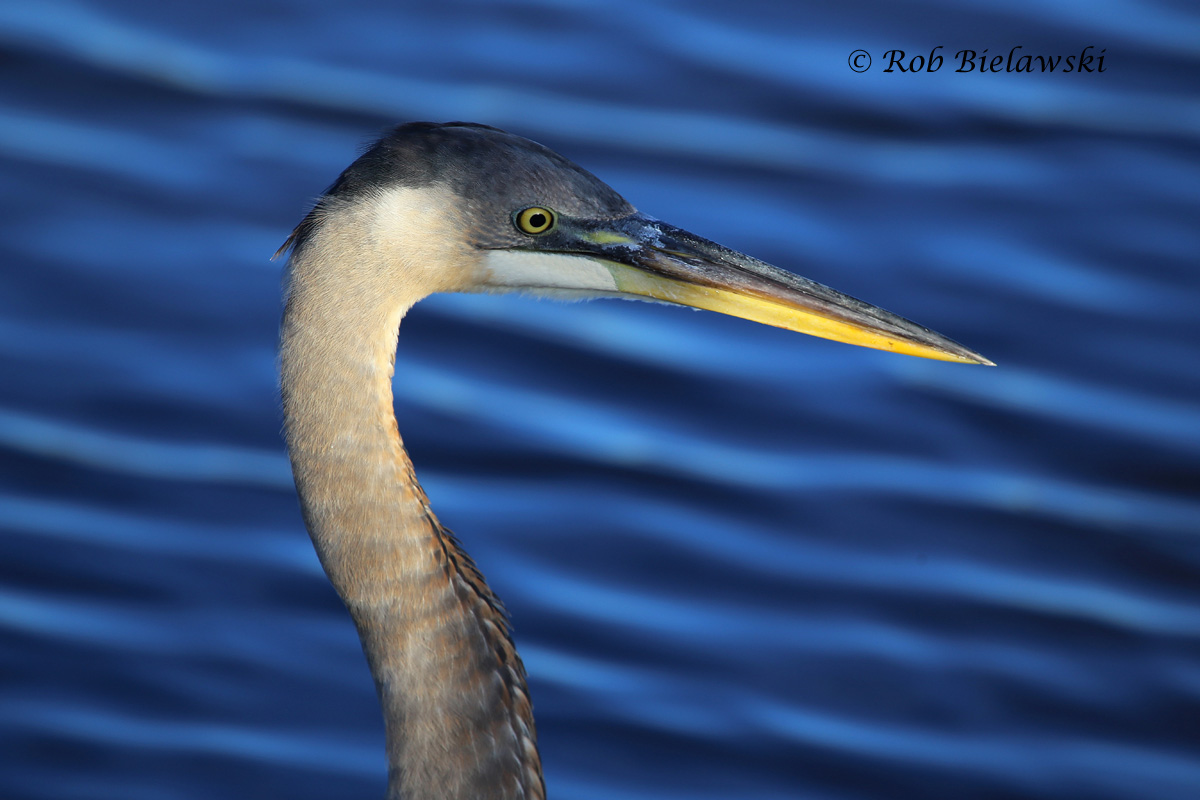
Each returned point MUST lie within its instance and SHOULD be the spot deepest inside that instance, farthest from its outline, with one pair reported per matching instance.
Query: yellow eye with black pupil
(534, 220)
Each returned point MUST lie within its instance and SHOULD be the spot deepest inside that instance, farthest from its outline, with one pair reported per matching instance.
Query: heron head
(512, 215)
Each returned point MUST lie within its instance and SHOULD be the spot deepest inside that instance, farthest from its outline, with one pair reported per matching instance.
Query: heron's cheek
(532, 271)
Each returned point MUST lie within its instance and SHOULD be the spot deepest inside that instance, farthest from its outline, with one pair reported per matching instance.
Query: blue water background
(741, 563)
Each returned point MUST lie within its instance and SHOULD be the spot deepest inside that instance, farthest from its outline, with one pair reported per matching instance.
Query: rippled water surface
(741, 563)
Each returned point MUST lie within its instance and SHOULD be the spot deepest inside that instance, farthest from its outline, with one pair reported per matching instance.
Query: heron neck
(452, 687)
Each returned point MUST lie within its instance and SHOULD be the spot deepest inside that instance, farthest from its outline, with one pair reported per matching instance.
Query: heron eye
(534, 220)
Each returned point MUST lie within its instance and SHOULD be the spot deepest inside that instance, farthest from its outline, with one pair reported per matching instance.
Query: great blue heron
(469, 208)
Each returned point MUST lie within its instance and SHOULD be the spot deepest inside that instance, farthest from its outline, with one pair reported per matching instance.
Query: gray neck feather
(452, 687)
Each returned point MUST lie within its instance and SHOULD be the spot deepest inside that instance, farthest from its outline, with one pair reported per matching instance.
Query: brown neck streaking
(452, 687)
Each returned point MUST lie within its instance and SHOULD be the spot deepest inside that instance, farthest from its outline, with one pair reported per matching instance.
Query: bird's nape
(461, 207)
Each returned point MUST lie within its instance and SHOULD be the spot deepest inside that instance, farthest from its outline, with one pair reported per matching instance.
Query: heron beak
(652, 260)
